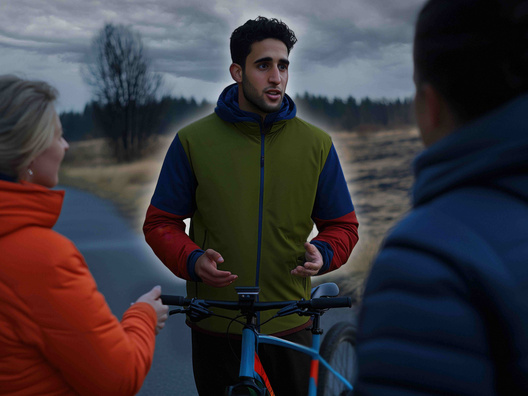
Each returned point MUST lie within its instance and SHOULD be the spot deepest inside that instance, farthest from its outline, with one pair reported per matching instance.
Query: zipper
(261, 212)
(261, 203)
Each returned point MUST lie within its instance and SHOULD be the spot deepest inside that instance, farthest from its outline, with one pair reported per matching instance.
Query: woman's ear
(236, 72)
(26, 174)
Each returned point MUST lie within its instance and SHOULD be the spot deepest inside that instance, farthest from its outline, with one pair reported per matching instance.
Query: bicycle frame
(251, 370)
(251, 338)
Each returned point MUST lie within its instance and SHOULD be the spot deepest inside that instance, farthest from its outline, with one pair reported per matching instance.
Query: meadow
(377, 166)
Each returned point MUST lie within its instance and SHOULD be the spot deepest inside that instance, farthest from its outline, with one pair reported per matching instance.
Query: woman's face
(45, 166)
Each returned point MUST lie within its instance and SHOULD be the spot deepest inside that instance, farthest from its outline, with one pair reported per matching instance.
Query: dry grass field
(377, 166)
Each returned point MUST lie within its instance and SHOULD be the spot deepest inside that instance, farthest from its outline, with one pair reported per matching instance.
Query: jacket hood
(25, 204)
(227, 109)
(491, 151)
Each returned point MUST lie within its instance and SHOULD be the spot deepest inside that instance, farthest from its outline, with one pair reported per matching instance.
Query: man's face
(265, 77)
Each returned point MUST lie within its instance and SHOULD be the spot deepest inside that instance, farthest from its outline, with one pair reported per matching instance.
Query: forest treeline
(334, 115)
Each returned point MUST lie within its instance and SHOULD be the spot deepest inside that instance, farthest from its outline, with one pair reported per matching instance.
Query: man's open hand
(206, 269)
(314, 262)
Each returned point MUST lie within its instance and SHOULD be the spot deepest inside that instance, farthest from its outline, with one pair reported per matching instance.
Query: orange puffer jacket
(57, 334)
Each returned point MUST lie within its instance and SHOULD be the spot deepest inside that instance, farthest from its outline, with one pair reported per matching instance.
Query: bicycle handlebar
(314, 303)
(174, 300)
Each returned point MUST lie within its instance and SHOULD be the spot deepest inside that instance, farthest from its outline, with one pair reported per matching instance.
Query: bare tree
(124, 88)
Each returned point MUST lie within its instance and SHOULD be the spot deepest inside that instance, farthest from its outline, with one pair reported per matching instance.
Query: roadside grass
(89, 166)
(376, 166)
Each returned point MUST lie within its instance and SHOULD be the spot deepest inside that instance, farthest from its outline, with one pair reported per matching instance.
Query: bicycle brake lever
(197, 312)
(288, 310)
(177, 311)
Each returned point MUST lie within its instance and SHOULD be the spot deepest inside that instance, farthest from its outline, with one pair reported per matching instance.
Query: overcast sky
(345, 47)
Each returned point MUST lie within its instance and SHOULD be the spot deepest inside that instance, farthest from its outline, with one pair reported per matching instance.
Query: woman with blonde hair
(57, 334)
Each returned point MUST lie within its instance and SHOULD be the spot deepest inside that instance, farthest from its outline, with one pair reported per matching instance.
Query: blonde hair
(27, 122)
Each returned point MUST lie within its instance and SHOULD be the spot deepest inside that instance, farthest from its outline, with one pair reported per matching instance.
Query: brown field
(377, 166)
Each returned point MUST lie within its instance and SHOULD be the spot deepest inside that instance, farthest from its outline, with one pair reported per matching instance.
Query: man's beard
(252, 96)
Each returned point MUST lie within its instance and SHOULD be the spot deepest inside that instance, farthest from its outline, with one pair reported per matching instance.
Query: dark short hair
(256, 30)
(474, 52)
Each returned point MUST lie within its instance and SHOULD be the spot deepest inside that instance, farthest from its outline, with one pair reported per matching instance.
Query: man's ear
(236, 72)
(433, 108)
(434, 115)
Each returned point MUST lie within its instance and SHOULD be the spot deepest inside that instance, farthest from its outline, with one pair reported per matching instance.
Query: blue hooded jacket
(445, 310)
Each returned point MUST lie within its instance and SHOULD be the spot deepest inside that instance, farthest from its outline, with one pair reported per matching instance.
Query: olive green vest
(254, 200)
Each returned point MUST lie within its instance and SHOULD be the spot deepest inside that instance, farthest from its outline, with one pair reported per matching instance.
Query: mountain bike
(333, 366)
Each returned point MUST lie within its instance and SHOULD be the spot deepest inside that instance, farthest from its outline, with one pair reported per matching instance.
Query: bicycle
(333, 367)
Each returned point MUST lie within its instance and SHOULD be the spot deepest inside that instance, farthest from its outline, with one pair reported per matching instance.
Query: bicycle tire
(339, 350)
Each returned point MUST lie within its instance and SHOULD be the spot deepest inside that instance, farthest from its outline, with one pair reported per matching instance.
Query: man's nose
(275, 76)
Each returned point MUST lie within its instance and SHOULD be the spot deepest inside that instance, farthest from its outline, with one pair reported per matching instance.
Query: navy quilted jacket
(446, 305)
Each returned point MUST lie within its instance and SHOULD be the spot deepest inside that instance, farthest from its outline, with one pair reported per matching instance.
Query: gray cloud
(193, 45)
(190, 39)
(181, 35)
(356, 30)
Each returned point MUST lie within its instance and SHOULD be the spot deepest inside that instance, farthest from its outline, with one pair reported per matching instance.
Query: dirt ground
(377, 166)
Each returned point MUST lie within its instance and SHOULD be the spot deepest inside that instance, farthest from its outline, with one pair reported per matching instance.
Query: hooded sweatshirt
(57, 334)
(253, 190)
(446, 305)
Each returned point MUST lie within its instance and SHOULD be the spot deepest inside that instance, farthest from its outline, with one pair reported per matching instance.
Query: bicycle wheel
(339, 350)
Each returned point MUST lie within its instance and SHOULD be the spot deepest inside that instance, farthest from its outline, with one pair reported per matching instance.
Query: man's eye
(262, 66)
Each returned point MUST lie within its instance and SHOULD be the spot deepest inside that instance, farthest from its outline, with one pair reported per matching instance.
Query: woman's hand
(153, 298)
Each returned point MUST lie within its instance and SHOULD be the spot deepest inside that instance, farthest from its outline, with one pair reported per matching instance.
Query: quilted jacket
(57, 334)
(445, 310)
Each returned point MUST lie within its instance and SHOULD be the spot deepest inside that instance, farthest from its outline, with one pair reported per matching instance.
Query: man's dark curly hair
(256, 30)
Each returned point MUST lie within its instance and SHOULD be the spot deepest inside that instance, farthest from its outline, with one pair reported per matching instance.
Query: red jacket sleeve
(334, 215)
(165, 233)
(341, 234)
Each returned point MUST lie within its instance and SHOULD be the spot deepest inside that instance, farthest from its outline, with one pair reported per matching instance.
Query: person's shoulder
(309, 131)
(301, 123)
(44, 250)
(468, 210)
(438, 229)
(429, 221)
(43, 237)
(53, 243)
(201, 125)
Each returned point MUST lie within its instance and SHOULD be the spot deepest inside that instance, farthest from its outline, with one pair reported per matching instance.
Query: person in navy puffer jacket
(445, 309)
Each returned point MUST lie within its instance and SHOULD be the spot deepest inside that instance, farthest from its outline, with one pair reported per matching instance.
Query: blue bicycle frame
(251, 339)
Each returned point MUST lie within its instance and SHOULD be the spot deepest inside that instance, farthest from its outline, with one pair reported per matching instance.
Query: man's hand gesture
(206, 269)
(314, 262)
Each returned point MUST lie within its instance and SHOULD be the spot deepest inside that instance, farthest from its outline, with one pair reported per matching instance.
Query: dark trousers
(216, 362)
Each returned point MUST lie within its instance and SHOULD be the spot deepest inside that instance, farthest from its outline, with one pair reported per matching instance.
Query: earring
(30, 172)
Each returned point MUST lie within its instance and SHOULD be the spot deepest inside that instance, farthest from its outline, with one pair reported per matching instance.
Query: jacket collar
(25, 204)
(228, 109)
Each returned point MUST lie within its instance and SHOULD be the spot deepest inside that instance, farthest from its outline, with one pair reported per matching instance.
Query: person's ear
(433, 106)
(236, 72)
(434, 116)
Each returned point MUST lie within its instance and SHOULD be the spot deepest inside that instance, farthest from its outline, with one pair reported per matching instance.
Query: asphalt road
(124, 268)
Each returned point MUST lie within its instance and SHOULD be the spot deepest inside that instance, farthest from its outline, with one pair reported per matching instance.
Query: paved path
(124, 267)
